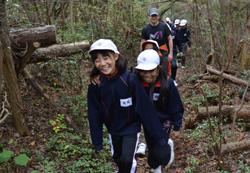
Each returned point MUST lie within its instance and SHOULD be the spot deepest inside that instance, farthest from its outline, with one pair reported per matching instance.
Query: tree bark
(1, 68)
(10, 77)
(228, 110)
(245, 52)
(45, 35)
(226, 76)
(235, 146)
(45, 54)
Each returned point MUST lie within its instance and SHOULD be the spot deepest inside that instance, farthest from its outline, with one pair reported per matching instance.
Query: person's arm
(175, 106)
(148, 115)
(142, 40)
(189, 38)
(170, 44)
(95, 122)
(144, 37)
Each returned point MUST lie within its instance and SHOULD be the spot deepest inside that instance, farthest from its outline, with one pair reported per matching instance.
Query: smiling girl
(120, 102)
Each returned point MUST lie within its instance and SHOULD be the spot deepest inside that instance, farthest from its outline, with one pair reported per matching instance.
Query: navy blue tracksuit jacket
(173, 108)
(122, 105)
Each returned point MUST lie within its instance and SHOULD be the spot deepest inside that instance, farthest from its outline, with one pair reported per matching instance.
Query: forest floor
(50, 150)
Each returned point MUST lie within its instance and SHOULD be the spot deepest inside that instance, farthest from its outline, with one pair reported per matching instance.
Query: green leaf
(34, 171)
(21, 160)
(5, 156)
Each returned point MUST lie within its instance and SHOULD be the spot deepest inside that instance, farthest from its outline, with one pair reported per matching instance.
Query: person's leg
(184, 50)
(160, 153)
(116, 148)
(127, 162)
(174, 68)
(141, 149)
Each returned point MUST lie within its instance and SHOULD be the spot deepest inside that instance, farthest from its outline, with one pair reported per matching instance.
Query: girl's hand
(95, 80)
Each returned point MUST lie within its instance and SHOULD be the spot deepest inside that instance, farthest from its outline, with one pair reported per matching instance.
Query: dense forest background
(43, 125)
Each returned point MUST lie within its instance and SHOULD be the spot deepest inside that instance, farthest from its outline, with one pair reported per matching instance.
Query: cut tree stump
(235, 146)
(59, 50)
(231, 78)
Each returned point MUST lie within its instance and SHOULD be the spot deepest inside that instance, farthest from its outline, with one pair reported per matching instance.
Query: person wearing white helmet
(177, 22)
(183, 22)
(168, 20)
(184, 41)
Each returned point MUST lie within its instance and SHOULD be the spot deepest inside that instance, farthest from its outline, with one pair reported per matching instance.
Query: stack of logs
(39, 44)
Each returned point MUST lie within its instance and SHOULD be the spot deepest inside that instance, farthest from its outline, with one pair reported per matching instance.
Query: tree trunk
(1, 68)
(228, 110)
(45, 54)
(245, 52)
(226, 76)
(235, 146)
(45, 35)
(25, 41)
(10, 77)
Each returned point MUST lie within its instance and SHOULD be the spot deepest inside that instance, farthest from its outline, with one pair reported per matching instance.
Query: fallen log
(231, 78)
(235, 146)
(212, 78)
(59, 50)
(45, 35)
(226, 110)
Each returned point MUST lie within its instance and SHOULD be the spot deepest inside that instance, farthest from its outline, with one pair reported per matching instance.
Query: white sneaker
(141, 149)
(171, 143)
(183, 67)
(157, 170)
(175, 83)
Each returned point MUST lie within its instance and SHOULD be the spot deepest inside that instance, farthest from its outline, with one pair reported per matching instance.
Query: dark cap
(153, 11)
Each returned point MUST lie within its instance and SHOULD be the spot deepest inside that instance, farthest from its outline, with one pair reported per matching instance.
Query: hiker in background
(175, 47)
(159, 31)
(165, 96)
(169, 23)
(183, 38)
(177, 23)
(120, 102)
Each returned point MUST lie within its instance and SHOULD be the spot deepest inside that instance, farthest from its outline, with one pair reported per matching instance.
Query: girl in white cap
(120, 103)
(165, 96)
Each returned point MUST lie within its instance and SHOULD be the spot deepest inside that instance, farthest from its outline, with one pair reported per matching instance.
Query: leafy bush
(74, 154)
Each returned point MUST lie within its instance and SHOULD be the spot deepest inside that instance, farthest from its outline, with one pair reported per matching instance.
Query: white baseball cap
(104, 44)
(183, 22)
(148, 60)
(150, 41)
(177, 21)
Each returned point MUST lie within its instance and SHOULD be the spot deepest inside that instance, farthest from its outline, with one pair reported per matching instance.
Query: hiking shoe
(175, 83)
(141, 149)
(171, 143)
(157, 170)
